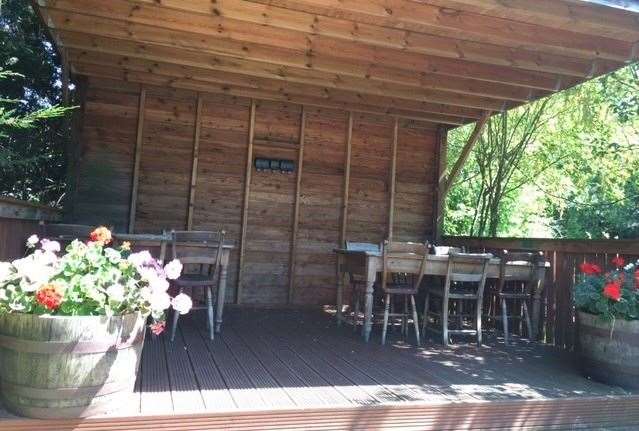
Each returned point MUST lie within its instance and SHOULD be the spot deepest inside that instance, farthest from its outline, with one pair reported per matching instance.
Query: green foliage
(577, 177)
(32, 159)
(590, 294)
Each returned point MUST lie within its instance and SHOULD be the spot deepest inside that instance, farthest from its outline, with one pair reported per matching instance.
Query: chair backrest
(443, 250)
(532, 259)
(65, 232)
(468, 268)
(198, 243)
(398, 249)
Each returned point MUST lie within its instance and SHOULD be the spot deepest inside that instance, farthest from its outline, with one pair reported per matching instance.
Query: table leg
(221, 295)
(339, 302)
(536, 311)
(368, 309)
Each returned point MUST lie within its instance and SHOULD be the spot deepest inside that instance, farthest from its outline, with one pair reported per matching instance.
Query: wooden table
(161, 241)
(367, 264)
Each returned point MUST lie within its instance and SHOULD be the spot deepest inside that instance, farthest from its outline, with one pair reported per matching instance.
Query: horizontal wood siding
(165, 173)
(165, 165)
(220, 176)
(108, 145)
(320, 205)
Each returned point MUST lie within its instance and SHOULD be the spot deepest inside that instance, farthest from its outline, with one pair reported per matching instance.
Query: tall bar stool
(465, 282)
(397, 287)
(208, 264)
(517, 292)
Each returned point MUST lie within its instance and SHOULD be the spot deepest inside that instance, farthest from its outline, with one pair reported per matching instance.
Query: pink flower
(182, 303)
(157, 328)
(173, 269)
(50, 246)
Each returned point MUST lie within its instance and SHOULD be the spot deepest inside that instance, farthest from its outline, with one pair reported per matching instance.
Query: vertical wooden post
(296, 211)
(344, 220)
(393, 172)
(245, 205)
(196, 150)
(347, 180)
(136, 161)
(439, 181)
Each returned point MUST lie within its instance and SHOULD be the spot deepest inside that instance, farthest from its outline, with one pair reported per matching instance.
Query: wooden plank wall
(165, 180)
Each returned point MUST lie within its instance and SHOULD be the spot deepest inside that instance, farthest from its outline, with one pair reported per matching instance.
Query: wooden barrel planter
(68, 367)
(610, 355)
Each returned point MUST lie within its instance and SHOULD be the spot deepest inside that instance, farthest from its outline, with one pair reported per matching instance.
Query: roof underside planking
(442, 61)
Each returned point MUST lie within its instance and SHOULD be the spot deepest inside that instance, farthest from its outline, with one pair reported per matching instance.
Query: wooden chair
(465, 282)
(357, 282)
(400, 286)
(208, 268)
(512, 293)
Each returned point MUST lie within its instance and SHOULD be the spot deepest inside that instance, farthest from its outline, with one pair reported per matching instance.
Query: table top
(158, 238)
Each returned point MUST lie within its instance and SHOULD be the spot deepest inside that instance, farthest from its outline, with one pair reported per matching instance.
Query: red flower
(590, 268)
(49, 296)
(158, 327)
(101, 235)
(637, 279)
(618, 261)
(612, 290)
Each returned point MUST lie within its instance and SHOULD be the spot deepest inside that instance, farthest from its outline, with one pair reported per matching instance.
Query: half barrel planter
(609, 352)
(68, 367)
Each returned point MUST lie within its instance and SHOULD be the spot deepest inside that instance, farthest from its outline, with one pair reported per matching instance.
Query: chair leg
(386, 312)
(176, 316)
(425, 313)
(528, 321)
(445, 321)
(209, 308)
(415, 320)
(405, 318)
(504, 319)
(478, 323)
(356, 310)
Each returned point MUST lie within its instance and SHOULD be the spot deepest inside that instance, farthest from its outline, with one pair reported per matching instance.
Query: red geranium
(590, 268)
(618, 261)
(637, 279)
(612, 290)
(101, 235)
(158, 327)
(50, 296)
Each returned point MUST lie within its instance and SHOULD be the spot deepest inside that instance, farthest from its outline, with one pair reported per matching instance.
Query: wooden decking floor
(269, 360)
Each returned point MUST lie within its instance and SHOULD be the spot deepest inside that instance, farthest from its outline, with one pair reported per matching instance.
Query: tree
(32, 159)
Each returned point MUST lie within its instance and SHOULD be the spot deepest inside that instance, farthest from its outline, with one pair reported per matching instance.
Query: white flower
(113, 255)
(173, 269)
(158, 285)
(146, 294)
(32, 241)
(115, 292)
(160, 301)
(140, 258)
(50, 246)
(5, 271)
(182, 303)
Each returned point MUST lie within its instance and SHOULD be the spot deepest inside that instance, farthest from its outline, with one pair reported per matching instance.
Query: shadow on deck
(273, 369)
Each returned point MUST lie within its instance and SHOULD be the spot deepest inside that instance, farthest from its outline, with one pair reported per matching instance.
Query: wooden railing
(18, 220)
(557, 325)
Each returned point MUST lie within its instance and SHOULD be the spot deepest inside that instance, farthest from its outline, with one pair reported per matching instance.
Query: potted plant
(608, 317)
(72, 325)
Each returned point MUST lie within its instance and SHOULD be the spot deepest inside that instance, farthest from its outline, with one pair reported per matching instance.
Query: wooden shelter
(180, 96)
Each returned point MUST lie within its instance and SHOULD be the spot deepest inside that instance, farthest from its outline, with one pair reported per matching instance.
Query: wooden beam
(427, 18)
(270, 94)
(440, 182)
(459, 164)
(393, 173)
(196, 150)
(136, 161)
(296, 211)
(309, 52)
(347, 181)
(245, 204)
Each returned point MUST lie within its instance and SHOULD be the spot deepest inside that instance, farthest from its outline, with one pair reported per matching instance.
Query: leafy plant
(89, 279)
(611, 295)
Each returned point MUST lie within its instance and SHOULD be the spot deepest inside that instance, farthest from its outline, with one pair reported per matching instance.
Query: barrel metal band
(68, 393)
(61, 347)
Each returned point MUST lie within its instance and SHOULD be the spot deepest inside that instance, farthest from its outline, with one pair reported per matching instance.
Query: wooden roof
(444, 61)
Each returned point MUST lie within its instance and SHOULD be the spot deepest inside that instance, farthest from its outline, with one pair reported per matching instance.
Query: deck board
(269, 361)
